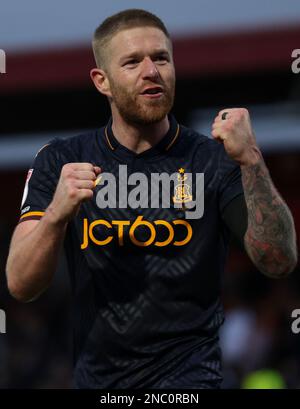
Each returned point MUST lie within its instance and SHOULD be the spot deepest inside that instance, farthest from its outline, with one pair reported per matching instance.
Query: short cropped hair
(123, 20)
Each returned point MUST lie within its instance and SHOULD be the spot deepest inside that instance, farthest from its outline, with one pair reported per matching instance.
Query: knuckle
(68, 172)
(87, 194)
(68, 166)
(242, 112)
(72, 192)
(89, 167)
(64, 169)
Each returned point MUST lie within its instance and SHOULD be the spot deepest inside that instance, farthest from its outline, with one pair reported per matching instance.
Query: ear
(101, 81)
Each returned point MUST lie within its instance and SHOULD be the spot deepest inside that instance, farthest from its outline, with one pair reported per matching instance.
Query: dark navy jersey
(145, 273)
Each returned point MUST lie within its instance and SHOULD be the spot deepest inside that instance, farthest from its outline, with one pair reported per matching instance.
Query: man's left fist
(236, 133)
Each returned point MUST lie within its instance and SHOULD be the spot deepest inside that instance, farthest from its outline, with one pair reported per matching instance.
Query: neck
(139, 138)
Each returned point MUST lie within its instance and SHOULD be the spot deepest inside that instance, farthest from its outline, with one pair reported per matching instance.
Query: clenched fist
(233, 128)
(75, 185)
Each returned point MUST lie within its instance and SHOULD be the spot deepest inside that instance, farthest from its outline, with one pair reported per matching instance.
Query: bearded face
(138, 106)
(141, 75)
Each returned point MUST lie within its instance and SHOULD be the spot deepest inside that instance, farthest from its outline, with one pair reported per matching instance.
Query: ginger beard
(136, 109)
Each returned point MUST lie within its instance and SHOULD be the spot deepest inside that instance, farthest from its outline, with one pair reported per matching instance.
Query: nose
(149, 69)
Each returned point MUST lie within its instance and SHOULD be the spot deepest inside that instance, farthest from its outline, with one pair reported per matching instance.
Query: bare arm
(33, 257)
(35, 246)
(270, 239)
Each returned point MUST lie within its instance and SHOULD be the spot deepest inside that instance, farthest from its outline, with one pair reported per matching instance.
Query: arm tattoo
(270, 239)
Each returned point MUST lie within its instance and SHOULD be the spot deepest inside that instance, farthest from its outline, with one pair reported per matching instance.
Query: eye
(162, 58)
(131, 63)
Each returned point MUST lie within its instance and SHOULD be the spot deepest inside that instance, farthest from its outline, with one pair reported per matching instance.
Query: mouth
(152, 92)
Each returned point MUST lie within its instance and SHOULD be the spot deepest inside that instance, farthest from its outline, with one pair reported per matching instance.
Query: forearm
(270, 239)
(33, 260)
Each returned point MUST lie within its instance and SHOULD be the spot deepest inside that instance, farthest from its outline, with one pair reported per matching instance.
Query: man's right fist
(75, 185)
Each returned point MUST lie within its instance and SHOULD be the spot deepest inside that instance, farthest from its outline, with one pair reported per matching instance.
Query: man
(145, 262)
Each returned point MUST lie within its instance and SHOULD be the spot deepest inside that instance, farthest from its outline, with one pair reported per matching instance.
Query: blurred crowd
(36, 350)
(257, 338)
(259, 347)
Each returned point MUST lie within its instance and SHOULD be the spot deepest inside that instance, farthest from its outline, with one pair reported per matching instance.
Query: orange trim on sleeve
(32, 214)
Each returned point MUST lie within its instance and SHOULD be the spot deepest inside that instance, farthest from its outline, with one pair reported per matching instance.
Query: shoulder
(71, 149)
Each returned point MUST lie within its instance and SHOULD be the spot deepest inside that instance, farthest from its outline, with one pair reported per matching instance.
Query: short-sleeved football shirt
(145, 256)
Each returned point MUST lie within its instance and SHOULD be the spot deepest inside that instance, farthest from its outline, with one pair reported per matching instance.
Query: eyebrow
(136, 54)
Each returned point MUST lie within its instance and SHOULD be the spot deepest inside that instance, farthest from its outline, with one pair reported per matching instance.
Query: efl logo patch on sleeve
(25, 193)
